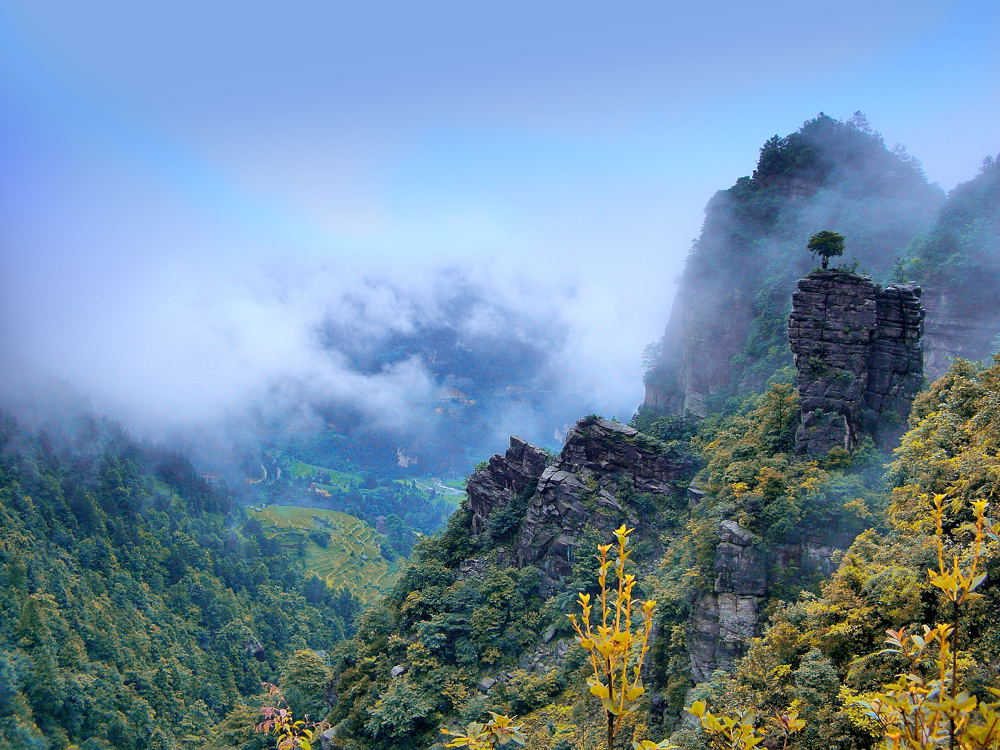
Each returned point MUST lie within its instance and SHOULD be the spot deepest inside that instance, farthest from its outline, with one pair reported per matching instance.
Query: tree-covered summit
(726, 333)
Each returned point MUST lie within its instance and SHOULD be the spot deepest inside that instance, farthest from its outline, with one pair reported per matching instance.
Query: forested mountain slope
(824, 650)
(473, 625)
(479, 620)
(137, 606)
(958, 263)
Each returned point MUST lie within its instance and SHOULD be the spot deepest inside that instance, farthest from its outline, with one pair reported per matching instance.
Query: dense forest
(141, 611)
(138, 604)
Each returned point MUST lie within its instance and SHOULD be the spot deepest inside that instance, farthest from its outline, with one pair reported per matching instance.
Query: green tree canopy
(826, 244)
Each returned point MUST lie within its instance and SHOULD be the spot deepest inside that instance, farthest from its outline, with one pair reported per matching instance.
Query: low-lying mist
(431, 365)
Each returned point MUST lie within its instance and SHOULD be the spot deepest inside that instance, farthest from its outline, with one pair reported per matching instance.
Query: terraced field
(351, 560)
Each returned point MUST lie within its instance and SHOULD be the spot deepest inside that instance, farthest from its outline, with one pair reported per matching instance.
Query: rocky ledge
(603, 467)
(502, 479)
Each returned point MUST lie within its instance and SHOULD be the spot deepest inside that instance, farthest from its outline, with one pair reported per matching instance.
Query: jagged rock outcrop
(502, 479)
(896, 369)
(589, 484)
(607, 474)
(601, 464)
(727, 617)
(858, 353)
(612, 449)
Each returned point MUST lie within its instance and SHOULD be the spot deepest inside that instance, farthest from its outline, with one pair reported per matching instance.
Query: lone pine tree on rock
(826, 244)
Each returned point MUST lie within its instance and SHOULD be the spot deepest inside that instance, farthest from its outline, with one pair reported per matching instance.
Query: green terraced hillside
(352, 558)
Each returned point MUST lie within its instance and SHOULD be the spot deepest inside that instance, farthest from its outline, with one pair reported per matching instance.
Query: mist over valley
(562, 377)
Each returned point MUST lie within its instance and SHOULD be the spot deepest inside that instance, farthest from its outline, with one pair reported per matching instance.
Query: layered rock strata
(503, 479)
(608, 474)
(858, 354)
(588, 484)
(726, 618)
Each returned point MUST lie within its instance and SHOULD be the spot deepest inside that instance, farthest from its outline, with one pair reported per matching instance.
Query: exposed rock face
(596, 482)
(727, 617)
(709, 323)
(614, 449)
(830, 333)
(859, 358)
(502, 479)
(587, 485)
(959, 324)
(896, 369)
(716, 326)
(663, 400)
(600, 460)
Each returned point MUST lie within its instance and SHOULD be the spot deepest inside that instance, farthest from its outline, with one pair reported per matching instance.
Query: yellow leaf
(600, 690)
(633, 693)
(610, 706)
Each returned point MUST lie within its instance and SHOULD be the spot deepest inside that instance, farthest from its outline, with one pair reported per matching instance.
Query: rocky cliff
(730, 613)
(961, 322)
(711, 326)
(503, 479)
(858, 355)
(607, 474)
(599, 480)
(726, 617)
(727, 328)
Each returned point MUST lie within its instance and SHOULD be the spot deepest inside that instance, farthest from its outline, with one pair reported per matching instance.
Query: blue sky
(147, 147)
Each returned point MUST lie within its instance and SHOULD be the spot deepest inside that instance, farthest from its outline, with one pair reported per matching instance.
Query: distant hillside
(958, 263)
(343, 551)
(403, 508)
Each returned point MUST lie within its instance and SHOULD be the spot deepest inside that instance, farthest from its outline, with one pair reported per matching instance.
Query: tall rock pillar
(859, 358)
(896, 370)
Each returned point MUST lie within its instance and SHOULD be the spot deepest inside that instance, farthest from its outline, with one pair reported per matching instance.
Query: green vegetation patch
(303, 470)
(342, 550)
(452, 491)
